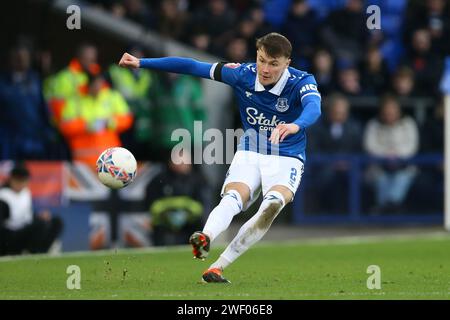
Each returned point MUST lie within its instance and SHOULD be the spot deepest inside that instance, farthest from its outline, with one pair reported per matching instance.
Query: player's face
(269, 68)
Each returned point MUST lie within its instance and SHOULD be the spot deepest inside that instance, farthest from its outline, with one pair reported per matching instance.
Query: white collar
(278, 87)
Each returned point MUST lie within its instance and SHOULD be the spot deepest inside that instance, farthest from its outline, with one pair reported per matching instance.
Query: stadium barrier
(423, 203)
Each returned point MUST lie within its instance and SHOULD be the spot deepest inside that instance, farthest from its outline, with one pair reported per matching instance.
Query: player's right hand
(282, 131)
(129, 61)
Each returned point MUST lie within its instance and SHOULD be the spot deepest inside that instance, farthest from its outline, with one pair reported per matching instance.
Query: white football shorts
(261, 172)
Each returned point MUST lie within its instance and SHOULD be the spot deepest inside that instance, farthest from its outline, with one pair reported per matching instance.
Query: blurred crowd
(75, 112)
(330, 38)
(82, 109)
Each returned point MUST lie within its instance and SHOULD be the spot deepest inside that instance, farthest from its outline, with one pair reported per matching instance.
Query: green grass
(411, 268)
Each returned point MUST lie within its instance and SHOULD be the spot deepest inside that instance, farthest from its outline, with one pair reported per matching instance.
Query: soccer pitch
(411, 268)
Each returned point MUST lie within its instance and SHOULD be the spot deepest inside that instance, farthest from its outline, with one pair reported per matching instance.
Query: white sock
(220, 263)
(220, 218)
(254, 229)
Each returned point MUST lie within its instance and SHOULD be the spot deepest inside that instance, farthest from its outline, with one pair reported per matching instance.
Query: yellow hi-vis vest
(92, 124)
(130, 86)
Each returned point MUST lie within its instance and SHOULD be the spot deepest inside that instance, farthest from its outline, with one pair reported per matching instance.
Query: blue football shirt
(262, 109)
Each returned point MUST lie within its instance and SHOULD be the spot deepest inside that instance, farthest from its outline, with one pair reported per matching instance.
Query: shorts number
(293, 177)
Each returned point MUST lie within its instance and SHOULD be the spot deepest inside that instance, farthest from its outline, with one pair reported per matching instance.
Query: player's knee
(286, 194)
(242, 189)
(233, 198)
(272, 204)
(275, 199)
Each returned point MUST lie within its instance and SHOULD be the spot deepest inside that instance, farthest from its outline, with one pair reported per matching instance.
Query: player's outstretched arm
(169, 64)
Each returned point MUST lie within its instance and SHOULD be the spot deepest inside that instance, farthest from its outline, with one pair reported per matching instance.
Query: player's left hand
(282, 131)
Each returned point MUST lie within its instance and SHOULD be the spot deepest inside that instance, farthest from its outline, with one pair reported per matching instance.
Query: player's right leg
(235, 196)
(238, 190)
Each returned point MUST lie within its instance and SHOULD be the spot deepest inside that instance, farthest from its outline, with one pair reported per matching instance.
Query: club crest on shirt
(282, 104)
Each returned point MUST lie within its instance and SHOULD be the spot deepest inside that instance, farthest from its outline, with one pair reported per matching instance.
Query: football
(116, 167)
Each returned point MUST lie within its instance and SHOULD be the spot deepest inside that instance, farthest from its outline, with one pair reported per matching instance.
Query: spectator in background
(218, 19)
(180, 103)
(171, 20)
(438, 18)
(251, 25)
(300, 27)
(117, 10)
(258, 15)
(434, 16)
(323, 70)
(337, 134)
(374, 72)
(20, 229)
(200, 40)
(349, 80)
(237, 50)
(139, 12)
(71, 82)
(175, 201)
(93, 122)
(346, 32)
(138, 87)
(25, 129)
(403, 82)
(242, 7)
(392, 138)
(44, 63)
(426, 65)
(246, 31)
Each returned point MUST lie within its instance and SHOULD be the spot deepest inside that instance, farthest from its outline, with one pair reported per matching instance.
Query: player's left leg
(281, 186)
(257, 226)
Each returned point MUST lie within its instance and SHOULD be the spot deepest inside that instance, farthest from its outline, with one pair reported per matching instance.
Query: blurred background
(375, 158)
